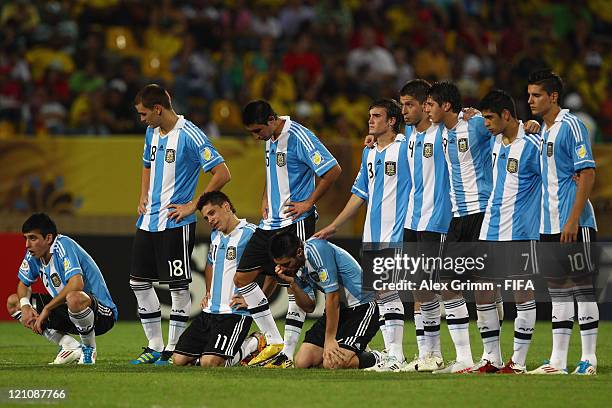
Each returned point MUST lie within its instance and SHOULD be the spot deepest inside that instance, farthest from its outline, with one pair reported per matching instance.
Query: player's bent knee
(12, 303)
(77, 301)
(212, 361)
(181, 360)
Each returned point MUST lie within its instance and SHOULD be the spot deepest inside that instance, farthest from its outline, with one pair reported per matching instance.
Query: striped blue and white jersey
(429, 205)
(224, 256)
(384, 183)
(68, 259)
(566, 150)
(467, 149)
(175, 160)
(329, 268)
(292, 162)
(513, 210)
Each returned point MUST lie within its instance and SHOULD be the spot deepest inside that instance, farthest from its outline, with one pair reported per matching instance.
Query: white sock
(84, 322)
(382, 327)
(149, 311)
(488, 326)
(430, 312)
(293, 326)
(393, 310)
(179, 315)
(524, 326)
(588, 319)
(260, 312)
(62, 339)
(420, 333)
(458, 322)
(249, 346)
(562, 324)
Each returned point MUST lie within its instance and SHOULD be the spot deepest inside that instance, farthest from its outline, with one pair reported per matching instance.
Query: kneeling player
(78, 301)
(338, 339)
(218, 335)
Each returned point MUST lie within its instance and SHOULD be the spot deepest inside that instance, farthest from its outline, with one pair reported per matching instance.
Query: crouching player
(218, 335)
(78, 301)
(339, 338)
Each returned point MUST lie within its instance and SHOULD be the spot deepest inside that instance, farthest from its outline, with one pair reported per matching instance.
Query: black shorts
(59, 319)
(217, 334)
(568, 261)
(256, 255)
(508, 260)
(424, 244)
(461, 232)
(163, 256)
(356, 328)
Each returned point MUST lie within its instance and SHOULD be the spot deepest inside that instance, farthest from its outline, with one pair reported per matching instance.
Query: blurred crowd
(74, 67)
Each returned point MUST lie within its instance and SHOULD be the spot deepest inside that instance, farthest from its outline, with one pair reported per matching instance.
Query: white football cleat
(547, 369)
(431, 362)
(411, 367)
(67, 356)
(585, 368)
(456, 367)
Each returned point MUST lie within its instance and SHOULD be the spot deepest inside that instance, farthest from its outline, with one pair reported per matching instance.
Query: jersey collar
(285, 129)
(241, 223)
(400, 137)
(55, 244)
(559, 118)
(180, 123)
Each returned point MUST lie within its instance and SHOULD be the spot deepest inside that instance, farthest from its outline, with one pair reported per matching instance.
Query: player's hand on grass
(532, 126)
(282, 276)
(142, 205)
(296, 208)
(40, 321)
(326, 232)
(204, 301)
(569, 232)
(369, 141)
(238, 302)
(180, 211)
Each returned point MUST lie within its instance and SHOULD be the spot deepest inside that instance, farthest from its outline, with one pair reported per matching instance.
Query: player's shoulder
(303, 135)
(63, 243)
(248, 228)
(315, 245)
(533, 140)
(573, 125)
(192, 133)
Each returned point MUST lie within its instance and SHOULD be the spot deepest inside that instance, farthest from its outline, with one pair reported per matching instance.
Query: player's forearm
(332, 311)
(23, 290)
(301, 298)
(208, 272)
(324, 183)
(585, 186)
(144, 181)
(220, 177)
(349, 210)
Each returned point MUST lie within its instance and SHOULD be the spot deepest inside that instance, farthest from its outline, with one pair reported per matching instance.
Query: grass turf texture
(113, 382)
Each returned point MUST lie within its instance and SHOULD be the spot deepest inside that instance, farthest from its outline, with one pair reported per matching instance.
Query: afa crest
(512, 166)
(207, 154)
(316, 158)
(170, 155)
(281, 159)
(230, 254)
(550, 146)
(428, 150)
(463, 145)
(390, 168)
(55, 280)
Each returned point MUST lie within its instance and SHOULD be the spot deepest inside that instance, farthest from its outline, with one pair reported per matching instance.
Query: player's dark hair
(257, 113)
(393, 109)
(497, 101)
(417, 88)
(152, 95)
(548, 80)
(442, 92)
(214, 198)
(284, 244)
(41, 222)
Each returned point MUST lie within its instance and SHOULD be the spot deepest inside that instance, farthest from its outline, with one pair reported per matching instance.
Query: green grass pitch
(114, 383)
